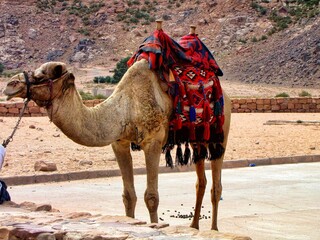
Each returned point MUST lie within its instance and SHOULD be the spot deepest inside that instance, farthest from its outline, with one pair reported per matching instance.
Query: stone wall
(241, 105)
(301, 104)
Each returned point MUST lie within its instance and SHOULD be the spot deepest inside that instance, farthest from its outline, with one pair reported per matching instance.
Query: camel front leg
(124, 159)
(200, 190)
(152, 153)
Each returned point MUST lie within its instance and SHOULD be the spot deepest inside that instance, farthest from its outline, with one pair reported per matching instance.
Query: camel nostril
(14, 83)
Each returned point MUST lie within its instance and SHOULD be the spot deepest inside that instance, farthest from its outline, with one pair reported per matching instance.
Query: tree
(120, 70)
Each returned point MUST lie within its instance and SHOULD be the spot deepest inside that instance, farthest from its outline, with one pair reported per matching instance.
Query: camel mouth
(15, 86)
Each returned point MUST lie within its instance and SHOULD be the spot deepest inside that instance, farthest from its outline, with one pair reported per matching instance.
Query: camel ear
(57, 71)
(71, 78)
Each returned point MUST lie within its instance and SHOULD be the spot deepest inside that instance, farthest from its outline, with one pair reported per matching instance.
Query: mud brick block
(35, 109)
(20, 105)
(14, 110)
(43, 110)
(298, 106)
(275, 107)
(306, 106)
(259, 101)
(236, 106)
(242, 101)
(267, 101)
(267, 107)
(291, 105)
(252, 106)
(280, 100)
(3, 109)
(260, 107)
(303, 100)
(273, 101)
(31, 104)
(89, 104)
(283, 106)
(244, 106)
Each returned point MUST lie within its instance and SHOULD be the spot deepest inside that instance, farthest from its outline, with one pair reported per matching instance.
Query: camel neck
(89, 126)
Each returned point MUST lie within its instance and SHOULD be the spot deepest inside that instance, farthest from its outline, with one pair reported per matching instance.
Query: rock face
(24, 222)
(33, 32)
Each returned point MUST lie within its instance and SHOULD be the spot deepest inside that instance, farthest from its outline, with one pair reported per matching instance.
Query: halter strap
(26, 77)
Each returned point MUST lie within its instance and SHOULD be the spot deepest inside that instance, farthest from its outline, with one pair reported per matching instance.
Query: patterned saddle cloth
(191, 72)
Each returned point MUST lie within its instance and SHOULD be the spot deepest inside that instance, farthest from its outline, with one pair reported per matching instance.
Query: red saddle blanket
(197, 116)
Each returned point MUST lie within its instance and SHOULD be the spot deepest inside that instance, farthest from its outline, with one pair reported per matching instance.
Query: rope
(10, 138)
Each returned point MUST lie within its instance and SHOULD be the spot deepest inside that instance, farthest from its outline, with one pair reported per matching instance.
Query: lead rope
(10, 138)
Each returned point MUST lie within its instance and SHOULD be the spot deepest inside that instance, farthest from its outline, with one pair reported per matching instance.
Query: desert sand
(38, 139)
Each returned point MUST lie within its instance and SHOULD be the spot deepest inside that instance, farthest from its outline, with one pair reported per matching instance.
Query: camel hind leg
(216, 166)
(124, 159)
(216, 190)
(200, 190)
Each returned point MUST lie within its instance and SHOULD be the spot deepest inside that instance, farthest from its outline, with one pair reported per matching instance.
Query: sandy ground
(38, 139)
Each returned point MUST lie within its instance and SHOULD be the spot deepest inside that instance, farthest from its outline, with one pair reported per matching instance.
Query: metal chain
(10, 138)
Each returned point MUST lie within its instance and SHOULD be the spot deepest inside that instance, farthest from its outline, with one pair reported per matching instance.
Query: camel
(138, 111)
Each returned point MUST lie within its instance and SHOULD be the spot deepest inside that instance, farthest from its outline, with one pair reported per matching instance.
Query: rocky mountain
(264, 41)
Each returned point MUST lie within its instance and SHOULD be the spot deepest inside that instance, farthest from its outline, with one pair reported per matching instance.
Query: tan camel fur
(138, 111)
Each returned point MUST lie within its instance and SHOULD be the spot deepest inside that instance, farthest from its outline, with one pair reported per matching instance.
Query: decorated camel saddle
(191, 72)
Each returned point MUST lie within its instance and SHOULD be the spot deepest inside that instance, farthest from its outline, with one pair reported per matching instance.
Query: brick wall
(241, 105)
(302, 104)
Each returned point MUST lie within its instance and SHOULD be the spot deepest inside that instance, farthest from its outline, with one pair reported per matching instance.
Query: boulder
(45, 166)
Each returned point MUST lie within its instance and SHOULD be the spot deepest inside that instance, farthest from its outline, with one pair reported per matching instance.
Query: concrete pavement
(264, 202)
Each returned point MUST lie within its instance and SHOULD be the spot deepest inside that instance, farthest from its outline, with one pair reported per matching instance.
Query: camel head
(46, 83)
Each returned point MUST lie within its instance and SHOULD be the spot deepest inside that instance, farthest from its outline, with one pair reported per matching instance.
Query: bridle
(47, 103)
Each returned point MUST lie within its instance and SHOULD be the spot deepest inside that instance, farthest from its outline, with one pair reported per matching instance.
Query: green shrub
(283, 94)
(258, 8)
(254, 39)
(304, 94)
(1, 68)
(119, 71)
(86, 95)
(263, 37)
(84, 31)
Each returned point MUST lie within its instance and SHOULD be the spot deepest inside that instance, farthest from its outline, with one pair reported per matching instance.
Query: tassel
(192, 114)
(207, 112)
(217, 108)
(170, 140)
(178, 122)
(203, 152)
(195, 156)
(179, 107)
(192, 131)
(182, 90)
(179, 157)
(169, 162)
(206, 131)
(187, 154)
(215, 151)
